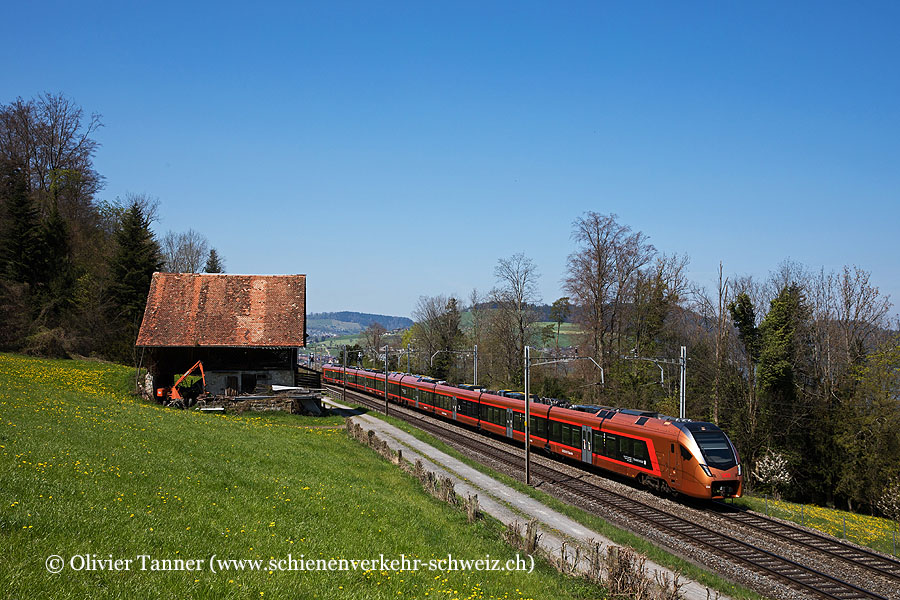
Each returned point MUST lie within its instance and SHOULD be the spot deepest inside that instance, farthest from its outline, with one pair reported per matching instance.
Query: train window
(639, 453)
(566, 437)
(715, 448)
(685, 455)
(625, 447)
(610, 447)
(555, 431)
(539, 426)
(518, 421)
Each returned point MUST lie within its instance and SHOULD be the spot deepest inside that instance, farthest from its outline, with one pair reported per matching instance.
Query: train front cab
(705, 463)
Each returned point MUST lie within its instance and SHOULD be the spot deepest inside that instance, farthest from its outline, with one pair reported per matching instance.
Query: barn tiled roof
(186, 309)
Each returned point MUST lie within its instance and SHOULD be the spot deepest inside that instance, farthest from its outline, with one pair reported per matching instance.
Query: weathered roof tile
(187, 309)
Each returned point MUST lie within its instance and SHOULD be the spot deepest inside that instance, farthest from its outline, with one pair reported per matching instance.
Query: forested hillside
(344, 322)
(75, 268)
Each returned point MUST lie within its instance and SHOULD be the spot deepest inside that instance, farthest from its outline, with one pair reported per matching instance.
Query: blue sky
(391, 150)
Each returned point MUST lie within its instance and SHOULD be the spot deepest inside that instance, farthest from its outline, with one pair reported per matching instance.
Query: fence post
(802, 522)
(845, 527)
(767, 505)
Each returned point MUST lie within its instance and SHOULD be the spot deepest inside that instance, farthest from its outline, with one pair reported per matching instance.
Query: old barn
(246, 329)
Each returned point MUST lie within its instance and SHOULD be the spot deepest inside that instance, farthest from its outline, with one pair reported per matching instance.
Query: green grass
(595, 523)
(873, 532)
(568, 333)
(87, 469)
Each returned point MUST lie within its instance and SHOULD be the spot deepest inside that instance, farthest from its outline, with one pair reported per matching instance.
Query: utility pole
(683, 395)
(527, 417)
(385, 380)
(681, 362)
(528, 366)
(344, 390)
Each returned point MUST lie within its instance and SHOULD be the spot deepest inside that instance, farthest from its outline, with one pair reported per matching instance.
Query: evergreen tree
(744, 317)
(136, 258)
(56, 275)
(796, 423)
(20, 245)
(778, 347)
(214, 264)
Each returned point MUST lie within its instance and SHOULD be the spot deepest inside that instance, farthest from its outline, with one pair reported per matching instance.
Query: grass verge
(87, 470)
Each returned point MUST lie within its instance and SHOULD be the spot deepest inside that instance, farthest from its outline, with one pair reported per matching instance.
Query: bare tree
(861, 312)
(184, 252)
(373, 336)
(601, 276)
(438, 330)
(514, 319)
(50, 136)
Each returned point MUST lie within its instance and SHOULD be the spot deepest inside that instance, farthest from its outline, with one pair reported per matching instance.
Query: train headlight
(739, 470)
(706, 470)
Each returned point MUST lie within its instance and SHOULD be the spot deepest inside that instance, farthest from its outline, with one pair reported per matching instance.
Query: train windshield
(715, 447)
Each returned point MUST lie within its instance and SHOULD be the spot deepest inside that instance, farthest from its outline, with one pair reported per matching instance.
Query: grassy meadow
(87, 469)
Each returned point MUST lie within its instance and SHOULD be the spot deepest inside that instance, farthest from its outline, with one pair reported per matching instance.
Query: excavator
(172, 396)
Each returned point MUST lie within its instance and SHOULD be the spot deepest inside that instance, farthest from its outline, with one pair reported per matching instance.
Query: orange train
(668, 454)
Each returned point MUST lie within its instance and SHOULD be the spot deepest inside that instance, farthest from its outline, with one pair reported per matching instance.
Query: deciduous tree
(184, 252)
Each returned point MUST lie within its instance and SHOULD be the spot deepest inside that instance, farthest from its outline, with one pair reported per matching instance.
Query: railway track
(872, 561)
(756, 559)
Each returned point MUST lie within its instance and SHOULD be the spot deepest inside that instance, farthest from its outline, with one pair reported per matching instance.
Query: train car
(677, 455)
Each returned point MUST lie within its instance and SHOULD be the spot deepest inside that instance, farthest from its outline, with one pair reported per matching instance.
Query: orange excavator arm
(175, 395)
(191, 370)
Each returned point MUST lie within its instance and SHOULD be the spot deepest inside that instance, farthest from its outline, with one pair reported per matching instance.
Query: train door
(416, 396)
(509, 422)
(674, 464)
(453, 402)
(586, 436)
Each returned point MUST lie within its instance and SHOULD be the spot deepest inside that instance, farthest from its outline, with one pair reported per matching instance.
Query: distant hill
(332, 324)
(543, 310)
